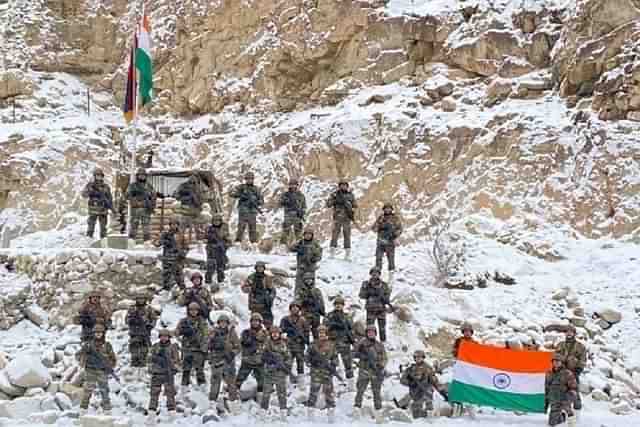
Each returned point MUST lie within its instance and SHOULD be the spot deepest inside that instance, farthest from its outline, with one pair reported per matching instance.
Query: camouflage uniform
(100, 203)
(294, 325)
(344, 205)
(311, 303)
(224, 345)
(198, 294)
(142, 198)
(173, 256)
(421, 380)
(277, 365)
(389, 228)
(194, 333)
(97, 358)
(190, 197)
(372, 361)
(262, 293)
(90, 314)
(574, 357)
(249, 203)
(377, 295)
(340, 332)
(560, 389)
(164, 362)
(218, 241)
(466, 327)
(320, 356)
(141, 319)
(309, 254)
(295, 205)
(252, 342)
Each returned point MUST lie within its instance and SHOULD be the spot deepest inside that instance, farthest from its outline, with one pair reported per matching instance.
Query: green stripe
(143, 63)
(461, 392)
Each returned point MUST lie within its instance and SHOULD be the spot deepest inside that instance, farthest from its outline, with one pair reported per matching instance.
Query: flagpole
(132, 172)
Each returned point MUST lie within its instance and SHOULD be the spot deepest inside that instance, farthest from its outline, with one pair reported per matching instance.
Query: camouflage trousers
(421, 403)
(559, 410)
(327, 390)
(311, 325)
(344, 226)
(193, 360)
(93, 378)
(390, 252)
(172, 268)
(577, 402)
(297, 356)
(247, 221)
(250, 368)
(157, 382)
(91, 225)
(364, 378)
(140, 216)
(344, 350)
(215, 264)
(222, 370)
(139, 348)
(278, 380)
(381, 317)
(292, 223)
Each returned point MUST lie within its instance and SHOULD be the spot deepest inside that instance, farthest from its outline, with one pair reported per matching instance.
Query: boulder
(14, 83)
(599, 395)
(96, 421)
(610, 315)
(403, 313)
(27, 371)
(45, 417)
(63, 401)
(37, 315)
(8, 388)
(448, 104)
(20, 407)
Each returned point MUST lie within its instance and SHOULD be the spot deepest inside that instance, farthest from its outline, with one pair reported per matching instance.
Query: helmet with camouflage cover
(343, 181)
(173, 221)
(323, 329)
(99, 328)
(216, 217)
(141, 172)
(249, 175)
(371, 328)
(223, 318)
(338, 300)
(294, 304)
(293, 182)
(308, 276)
(260, 264)
(570, 329)
(95, 294)
(309, 230)
(275, 329)
(193, 306)
(466, 326)
(164, 332)
(387, 205)
(196, 275)
(141, 298)
(375, 270)
(419, 353)
(256, 316)
(98, 172)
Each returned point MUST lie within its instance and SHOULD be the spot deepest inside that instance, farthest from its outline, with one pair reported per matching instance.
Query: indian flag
(143, 60)
(499, 377)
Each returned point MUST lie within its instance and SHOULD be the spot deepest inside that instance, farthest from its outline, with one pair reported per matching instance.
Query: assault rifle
(95, 359)
(316, 360)
(273, 362)
(341, 200)
(251, 201)
(343, 325)
(292, 331)
(291, 203)
(164, 360)
(249, 342)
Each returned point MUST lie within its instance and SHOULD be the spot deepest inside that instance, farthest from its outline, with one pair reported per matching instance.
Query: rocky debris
(27, 371)
(498, 90)
(14, 83)
(37, 315)
(503, 278)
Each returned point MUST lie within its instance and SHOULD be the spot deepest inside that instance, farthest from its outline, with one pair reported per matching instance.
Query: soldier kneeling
(421, 380)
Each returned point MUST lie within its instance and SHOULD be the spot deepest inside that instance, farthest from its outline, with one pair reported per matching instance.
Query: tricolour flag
(143, 60)
(129, 108)
(499, 377)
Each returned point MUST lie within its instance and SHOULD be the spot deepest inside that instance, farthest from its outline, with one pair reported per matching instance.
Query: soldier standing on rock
(197, 294)
(388, 227)
(194, 334)
(421, 380)
(142, 198)
(344, 206)
(294, 325)
(218, 241)
(250, 202)
(574, 357)
(100, 203)
(224, 345)
(91, 313)
(141, 319)
(98, 361)
(376, 294)
(277, 366)
(311, 303)
(164, 362)
(372, 362)
(308, 255)
(190, 197)
(295, 206)
(322, 358)
(173, 256)
(261, 292)
(561, 389)
(252, 341)
(340, 330)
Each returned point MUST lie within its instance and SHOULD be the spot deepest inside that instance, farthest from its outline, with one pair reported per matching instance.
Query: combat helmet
(256, 316)
(338, 301)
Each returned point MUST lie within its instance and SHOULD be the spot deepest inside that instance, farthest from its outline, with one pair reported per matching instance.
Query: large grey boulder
(27, 371)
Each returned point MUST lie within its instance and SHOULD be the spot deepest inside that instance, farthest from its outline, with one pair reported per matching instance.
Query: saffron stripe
(504, 359)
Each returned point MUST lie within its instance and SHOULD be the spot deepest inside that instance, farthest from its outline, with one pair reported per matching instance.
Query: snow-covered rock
(20, 407)
(599, 395)
(621, 408)
(37, 315)
(63, 401)
(3, 359)
(8, 388)
(45, 417)
(27, 371)
(610, 315)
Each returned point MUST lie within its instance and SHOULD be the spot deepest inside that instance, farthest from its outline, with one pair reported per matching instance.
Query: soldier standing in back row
(142, 198)
(421, 380)
(295, 206)
(218, 241)
(224, 345)
(372, 362)
(249, 203)
(388, 227)
(252, 341)
(141, 319)
(322, 358)
(376, 294)
(311, 303)
(190, 197)
(100, 203)
(98, 360)
(294, 325)
(277, 366)
(574, 357)
(341, 334)
(560, 388)
(194, 334)
(173, 256)
(164, 361)
(344, 206)
(91, 313)
(261, 292)
(308, 255)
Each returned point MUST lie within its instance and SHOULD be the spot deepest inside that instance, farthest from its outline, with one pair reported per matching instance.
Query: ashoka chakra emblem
(501, 381)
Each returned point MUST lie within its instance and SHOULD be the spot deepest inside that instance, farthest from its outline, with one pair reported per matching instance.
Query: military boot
(390, 277)
(331, 415)
(378, 416)
(357, 413)
(571, 421)
(347, 254)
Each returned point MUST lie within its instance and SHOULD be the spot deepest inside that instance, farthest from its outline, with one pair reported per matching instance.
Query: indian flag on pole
(144, 63)
(499, 377)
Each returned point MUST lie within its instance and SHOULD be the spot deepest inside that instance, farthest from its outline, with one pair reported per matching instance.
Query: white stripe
(144, 42)
(492, 379)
